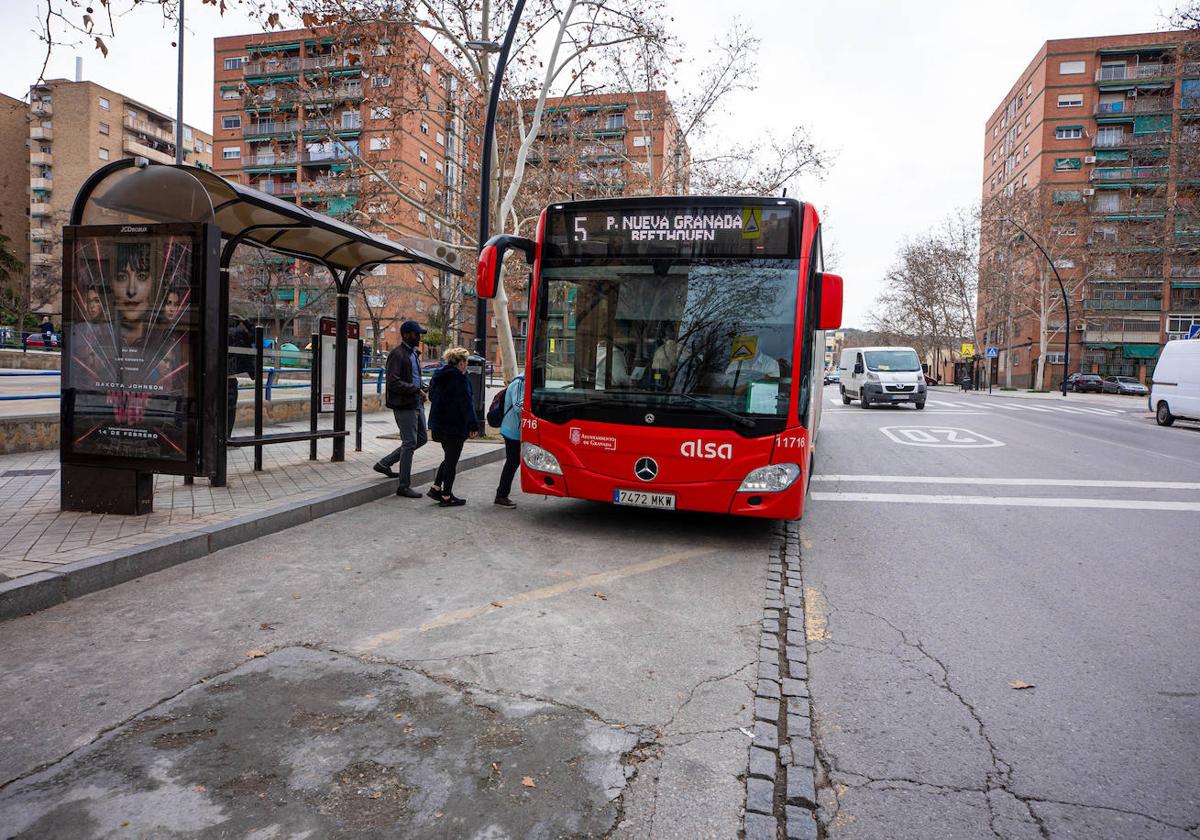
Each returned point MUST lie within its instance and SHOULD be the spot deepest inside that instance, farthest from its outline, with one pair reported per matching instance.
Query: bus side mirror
(491, 259)
(831, 301)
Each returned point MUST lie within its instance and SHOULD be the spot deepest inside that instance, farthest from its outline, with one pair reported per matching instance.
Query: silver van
(882, 375)
(1175, 391)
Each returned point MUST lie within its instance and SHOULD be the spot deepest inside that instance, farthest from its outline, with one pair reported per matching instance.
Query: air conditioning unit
(1090, 159)
(1080, 327)
(1089, 192)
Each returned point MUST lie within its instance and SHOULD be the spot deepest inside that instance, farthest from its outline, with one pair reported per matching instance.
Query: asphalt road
(943, 573)
(607, 659)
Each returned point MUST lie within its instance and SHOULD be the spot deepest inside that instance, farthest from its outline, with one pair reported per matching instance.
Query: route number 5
(580, 230)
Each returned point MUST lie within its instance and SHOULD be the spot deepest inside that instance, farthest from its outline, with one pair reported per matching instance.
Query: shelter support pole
(314, 392)
(259, 336)
(339, 361)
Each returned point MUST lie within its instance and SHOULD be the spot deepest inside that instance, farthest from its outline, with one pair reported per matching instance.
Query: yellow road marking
(816, 622)
(586, 582)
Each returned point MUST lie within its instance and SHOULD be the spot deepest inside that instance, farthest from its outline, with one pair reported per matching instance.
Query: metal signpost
(991, 354)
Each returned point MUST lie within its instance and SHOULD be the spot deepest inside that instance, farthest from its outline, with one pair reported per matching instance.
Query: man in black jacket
(405, 396)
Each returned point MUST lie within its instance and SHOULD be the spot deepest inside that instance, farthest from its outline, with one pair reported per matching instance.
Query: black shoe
(434, 493)
(505, 502)
(380, 468)
(451, 501)
(407, 492)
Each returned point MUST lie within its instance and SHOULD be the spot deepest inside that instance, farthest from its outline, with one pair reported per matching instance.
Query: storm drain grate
(25, 473)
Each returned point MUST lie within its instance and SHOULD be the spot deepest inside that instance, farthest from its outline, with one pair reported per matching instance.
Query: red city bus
(675, 352)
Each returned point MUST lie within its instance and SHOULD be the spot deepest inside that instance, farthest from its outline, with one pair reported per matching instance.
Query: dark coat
(451, 405)
(401, 392)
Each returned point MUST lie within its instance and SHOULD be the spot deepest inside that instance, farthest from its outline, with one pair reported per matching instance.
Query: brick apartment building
(594, 146)
(73, 129)
(14, 180)
(315, 117)
(1101, 134)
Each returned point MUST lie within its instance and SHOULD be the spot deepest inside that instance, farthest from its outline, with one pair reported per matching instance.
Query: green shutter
(1108, 154)
(1140, 351)
(1063, 164)
(1151, 124)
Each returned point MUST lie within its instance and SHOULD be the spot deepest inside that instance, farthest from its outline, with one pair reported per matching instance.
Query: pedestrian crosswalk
(986, 405)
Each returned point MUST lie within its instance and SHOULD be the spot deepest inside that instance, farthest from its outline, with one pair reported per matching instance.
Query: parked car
(1175, 389)
(1084, 382)
(832, 377)
(1124, 385)
(39, 340)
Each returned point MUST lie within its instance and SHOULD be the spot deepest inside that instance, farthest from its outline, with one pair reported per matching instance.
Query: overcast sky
(898, 90)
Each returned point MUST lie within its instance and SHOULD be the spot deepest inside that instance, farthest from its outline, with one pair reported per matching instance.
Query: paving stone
(768, 688)
(762, 763)
(798, 706)
(769, 641)
(798, 724)
(797, 670)
(760, 796)
(761, 827)
(795, 638)
(765, 709)
(799, 824)
(770, 625)
(800, 788)
(766, 735)
(803, 754)
(794, 688)
(768, 671)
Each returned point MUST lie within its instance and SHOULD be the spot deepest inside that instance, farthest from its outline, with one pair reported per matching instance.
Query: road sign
(968, 350)
(745, 348)
(1194, 332)
(992, 352)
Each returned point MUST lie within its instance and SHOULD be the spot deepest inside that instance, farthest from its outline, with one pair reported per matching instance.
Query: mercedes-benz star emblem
(649, 418)
(645, 469)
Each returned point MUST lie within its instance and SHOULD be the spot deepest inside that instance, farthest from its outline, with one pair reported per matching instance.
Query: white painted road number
(944, 436)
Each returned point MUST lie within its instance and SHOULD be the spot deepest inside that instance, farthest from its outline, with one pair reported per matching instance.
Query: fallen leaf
(1018, 685)
(527, 781)
(375, 794)
(254, 653)
(496, 766)
(495, 604)
(266, 625)
(124, 823)
(438, 814)
(199, 788)
(600, 595)
(348, 568)
(399, 715)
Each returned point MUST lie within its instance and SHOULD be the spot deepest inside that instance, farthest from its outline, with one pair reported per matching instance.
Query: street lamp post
(1066, 303)
(485, 172)
(179, 95)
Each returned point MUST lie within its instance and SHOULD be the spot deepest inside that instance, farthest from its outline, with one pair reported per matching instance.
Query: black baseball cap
(412, 326)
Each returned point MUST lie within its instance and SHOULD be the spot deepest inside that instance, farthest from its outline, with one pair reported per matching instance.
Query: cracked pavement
(920, 616)
(659, 660)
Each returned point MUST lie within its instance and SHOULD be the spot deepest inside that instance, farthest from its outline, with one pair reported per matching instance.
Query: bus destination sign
(752, 230)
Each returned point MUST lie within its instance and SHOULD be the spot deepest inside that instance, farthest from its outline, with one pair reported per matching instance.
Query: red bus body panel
(703, 468)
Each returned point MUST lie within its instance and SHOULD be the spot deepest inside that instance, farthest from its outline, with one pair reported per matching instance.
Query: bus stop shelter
(136, 197)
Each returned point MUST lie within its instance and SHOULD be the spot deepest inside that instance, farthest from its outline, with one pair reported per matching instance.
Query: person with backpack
(505, 415)
(452, 421)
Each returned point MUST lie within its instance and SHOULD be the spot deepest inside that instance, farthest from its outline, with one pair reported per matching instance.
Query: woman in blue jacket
(452, 421)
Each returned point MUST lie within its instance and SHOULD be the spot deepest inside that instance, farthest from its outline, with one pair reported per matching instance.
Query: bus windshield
(705, 341)
(892, 361)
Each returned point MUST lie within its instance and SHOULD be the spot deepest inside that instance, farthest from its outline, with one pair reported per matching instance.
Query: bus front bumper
(703, 496)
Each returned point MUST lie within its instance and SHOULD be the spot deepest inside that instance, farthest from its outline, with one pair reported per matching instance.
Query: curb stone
(40, 590)
(781, 778)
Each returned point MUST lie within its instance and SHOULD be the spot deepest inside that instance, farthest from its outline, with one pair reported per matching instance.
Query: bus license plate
(640, 498)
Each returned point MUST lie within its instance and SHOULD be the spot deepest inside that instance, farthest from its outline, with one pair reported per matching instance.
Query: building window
(231, 93)
(1112, 71)
(1066, 196)
(230, 123)
(423, 156)
(377, 144)
(351, 119)
(381, 81)
(1025, 180)
(1056, 358)
(104, 129)
(424, 128)
(231, 152)
(422, 215)
(642, 115)
(422, 186)
(427, 66)
(441, 138)
(103, 103)
(381, 112)
(1026, 151)
(1067, 164)
(234, 63)
(1070, 68)
(103, 153)
(640, 141)
(1068, 132)
(1070, 100)
(1029, 89)
(379, 49)
(1027, 120)
(437, 164)
(616, 121)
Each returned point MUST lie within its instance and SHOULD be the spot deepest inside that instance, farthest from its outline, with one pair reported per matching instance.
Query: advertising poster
(132, 309)
(328, 351)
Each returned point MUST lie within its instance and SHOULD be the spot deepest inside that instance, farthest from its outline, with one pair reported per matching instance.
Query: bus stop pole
(358, 403)
(259, 338)
(314, 392)
(339, 365)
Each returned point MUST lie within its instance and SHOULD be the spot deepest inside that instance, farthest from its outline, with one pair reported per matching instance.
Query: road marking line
(1012, 482)
(1035, 408)
(946, 437)
(1007, 501)
(1009, 407)
(586, 582)
(924, 412)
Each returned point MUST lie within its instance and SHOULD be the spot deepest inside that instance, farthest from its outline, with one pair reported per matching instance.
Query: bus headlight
(539, 459)
(770, 479)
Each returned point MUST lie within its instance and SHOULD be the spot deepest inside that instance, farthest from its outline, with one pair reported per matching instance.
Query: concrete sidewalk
(1129, 403)
(48, 555)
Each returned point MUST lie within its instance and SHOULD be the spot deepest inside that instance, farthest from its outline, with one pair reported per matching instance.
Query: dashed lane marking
(1011, 482)
(1007, 501)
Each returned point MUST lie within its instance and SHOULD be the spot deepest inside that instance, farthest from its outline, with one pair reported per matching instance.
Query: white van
(882, 375)
(1175, 391)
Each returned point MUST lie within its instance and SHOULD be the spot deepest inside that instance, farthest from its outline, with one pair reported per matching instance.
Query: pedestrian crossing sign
(992, 353)
(745, 348)
(968, 350)
(751, 222)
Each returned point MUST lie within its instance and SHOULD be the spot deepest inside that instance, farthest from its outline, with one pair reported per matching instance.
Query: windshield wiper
(744, 422)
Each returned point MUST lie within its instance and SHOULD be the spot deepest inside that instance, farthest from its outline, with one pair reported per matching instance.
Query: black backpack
(496, 412)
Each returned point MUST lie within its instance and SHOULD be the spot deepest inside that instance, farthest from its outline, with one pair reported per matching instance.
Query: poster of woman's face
(131, 326)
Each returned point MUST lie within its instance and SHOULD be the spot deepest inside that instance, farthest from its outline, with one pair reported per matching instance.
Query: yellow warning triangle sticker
(751, 222)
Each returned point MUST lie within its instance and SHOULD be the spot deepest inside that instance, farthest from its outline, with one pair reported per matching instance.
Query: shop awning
(1140, 351)
(1092, 346)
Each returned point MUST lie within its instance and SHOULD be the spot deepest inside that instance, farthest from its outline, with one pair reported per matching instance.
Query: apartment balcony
(275, 95)
(1150, 208)
(1139, 305)
(149, 129)
(41, 234)
(44, 184)
(133, 147)
(270, 128)
(282, 189)
(1135, 73)
(1129, 173)
(41, 158)
(330, 186)
(39, 209)
(288, 66)
(36, 259)
(324, 156)
(41, 132)
(1131, 141)
(1141, 105)
(269, 159)
(41, 109)
(336, 127)
(1120, 337)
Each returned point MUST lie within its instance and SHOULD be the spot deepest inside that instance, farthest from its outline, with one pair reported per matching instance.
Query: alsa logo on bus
(707, 450)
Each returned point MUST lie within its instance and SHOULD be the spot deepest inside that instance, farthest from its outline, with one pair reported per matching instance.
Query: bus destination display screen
(750, 230)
